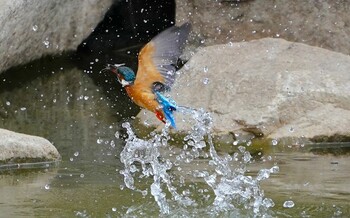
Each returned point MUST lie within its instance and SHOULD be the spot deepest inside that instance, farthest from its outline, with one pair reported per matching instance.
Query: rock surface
(322, 23)
(32, 29)
(268, 87)
(19, 148)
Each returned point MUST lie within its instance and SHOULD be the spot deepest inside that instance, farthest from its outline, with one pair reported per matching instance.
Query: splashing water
(231, 186)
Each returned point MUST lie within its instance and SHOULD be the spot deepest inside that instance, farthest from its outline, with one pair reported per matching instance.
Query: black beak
(111, 68)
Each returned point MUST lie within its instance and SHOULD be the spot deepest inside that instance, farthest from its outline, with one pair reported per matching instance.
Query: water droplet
(274, 169)
(288, 204)
(338, 212)
(206, 81)
(112, 144)
(117, 135)
(274, 142)
(82, 175)
(46, 43)
(54, 100)
(8, 103)
(145, 21)
(144, 192)
(268, 202)
(99, 141)
(86, 97)
(76, 153)
(35, 28)
(71, 159)
(126, 125)
(263, 174)
(205, 69)
(291, 129)
(47, 186)
(247, 157)
(23, 108)
(114, 209)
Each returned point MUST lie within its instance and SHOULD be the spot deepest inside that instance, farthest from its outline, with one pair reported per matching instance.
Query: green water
(317, 186)
(80, 116)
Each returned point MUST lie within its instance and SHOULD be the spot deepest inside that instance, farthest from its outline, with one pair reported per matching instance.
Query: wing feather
(158, 58)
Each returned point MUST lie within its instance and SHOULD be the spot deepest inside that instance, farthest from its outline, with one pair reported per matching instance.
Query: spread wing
(158, 58)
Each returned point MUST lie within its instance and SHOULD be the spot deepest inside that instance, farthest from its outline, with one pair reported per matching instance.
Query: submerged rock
(18, 148)
(268, 87)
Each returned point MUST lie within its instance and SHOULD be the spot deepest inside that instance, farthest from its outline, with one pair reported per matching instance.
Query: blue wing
(168, 106)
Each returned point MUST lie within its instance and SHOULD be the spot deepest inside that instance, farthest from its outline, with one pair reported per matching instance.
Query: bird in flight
(156, 72)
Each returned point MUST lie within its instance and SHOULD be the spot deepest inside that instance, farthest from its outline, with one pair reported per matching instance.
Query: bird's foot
(160, 116)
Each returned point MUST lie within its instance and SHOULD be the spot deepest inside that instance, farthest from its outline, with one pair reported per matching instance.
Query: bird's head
(125, 75)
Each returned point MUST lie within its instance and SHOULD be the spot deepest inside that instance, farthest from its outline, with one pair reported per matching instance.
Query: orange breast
(141, 91)
(142, 96)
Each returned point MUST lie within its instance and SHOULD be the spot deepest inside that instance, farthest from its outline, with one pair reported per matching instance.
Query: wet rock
(21, 148)
(266, 88)
(30, 30)
(319, 23)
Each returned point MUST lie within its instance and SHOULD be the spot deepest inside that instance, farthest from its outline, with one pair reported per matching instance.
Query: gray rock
(32, 29)
(268, 87)
(19, 148)
(320, 23)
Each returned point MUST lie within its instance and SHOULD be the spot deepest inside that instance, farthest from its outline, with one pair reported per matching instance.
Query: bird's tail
(168, 106)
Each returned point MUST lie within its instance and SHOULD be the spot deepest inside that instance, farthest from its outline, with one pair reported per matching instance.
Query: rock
(319, 23)
(268, 87)
(30, 30)
(19, 148)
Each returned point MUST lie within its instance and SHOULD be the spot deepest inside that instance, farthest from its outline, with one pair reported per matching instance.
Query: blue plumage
(168, 106)
(127, 73)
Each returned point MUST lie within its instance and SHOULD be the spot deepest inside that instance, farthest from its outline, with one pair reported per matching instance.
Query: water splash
(146, 153)
(225, 175)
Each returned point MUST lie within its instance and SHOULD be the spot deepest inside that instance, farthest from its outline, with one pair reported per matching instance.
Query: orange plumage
(141, 91)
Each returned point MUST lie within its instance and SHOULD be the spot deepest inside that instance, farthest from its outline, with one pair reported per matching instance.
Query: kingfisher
(156, 72)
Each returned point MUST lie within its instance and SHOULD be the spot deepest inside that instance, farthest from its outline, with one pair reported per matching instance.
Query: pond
(54, 98)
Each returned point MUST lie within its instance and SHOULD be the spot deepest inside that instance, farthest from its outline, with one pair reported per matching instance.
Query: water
(191, 179)
(230, 185)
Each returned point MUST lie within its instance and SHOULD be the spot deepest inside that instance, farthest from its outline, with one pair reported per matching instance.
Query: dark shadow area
(126, 27)
(23, 75)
